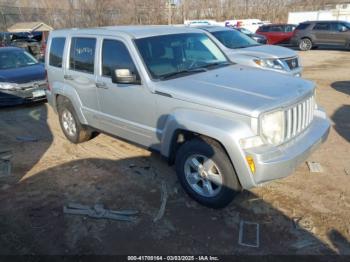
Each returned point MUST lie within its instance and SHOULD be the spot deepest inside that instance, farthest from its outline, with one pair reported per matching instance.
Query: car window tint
(264, 29)
(289, 28)
(82, 54)
(302, 26)
(56, 51)
(276, 29)
(337, 27)
(322, 27)
(115, 55)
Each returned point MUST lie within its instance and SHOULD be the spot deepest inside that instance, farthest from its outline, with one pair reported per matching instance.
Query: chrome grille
(292, 63)
(299, 117)
(33, 85)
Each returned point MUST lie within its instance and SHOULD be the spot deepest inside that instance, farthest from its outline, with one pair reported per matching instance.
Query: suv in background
(172, 90)
(277, 33)
(311, 34)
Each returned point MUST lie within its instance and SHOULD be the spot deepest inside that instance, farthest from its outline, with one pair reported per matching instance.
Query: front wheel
(305, 44)
(206, 173)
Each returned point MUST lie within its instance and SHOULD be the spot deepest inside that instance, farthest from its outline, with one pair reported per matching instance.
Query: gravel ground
(306, 213)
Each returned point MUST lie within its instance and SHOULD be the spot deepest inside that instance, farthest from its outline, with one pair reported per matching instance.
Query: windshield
(234, 39)
(15, 59)
(179, 54)
(347, 24)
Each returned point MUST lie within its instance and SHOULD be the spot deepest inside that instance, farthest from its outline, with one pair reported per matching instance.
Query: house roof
(29, 27)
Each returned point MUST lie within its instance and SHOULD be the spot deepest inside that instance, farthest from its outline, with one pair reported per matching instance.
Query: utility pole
(170, 12)
(184, 10)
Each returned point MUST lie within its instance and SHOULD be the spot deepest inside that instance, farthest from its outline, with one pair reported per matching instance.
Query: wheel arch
(73, 97)
(181, 126)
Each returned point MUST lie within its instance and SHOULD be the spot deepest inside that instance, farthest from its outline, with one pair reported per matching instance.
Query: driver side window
(115, 55)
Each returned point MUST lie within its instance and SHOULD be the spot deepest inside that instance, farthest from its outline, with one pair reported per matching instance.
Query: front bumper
(18, 97)
(277, 162)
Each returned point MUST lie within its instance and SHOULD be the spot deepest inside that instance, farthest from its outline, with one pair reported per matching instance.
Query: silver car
(226, 127)
(244, 50)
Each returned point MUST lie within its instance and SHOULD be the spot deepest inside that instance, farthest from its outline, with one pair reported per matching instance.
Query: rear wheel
(74, 131)
(305, 44)
(206, 173)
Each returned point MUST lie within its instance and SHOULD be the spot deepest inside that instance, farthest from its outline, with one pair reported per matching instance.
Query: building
(330, 11)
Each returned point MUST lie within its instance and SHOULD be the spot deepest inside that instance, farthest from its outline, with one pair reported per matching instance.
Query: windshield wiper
(216, 64)
(182, 73)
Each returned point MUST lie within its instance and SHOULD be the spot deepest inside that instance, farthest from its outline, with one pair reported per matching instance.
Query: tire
(73, 130)
(305, 44)
(206, 152)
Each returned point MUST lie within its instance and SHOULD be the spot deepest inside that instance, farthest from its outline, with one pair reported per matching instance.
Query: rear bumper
(278, 162)
(294, 41)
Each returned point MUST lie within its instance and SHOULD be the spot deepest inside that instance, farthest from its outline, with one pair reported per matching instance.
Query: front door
(340, 37)
(127, 110)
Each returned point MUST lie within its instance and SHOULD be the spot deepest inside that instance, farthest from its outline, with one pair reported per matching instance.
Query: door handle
(68, 77)
(101, 85)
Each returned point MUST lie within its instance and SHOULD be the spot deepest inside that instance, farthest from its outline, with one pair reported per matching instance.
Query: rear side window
(322, 26)
(115, 55)
(82, 54)
(276, 29)
(263, 29)
(289, 28)
(302, 26)
(56, 51)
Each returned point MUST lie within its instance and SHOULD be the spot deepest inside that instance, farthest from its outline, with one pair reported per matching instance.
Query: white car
(243, 50)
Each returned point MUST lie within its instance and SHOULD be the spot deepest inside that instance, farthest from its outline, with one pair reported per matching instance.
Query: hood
(238, 89)
(265, 51)
(23, 74)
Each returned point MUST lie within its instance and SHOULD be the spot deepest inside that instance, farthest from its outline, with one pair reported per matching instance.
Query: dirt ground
(306, 213)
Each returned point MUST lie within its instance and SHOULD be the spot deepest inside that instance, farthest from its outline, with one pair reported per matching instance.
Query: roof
(214, 28)
(29, 27)
(324, 21)
(278, 24)
(133, 31)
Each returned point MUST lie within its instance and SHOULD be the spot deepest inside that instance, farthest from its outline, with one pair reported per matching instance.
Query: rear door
(323, 33)
(55, 60)
(276, 34)
(80, 74)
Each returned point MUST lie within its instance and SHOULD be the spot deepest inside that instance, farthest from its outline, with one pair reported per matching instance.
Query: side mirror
(343, 29)
(124, 76)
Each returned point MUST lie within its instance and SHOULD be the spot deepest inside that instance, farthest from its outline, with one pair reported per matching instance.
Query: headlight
(270, 63)
(8, 86)
(272, 127)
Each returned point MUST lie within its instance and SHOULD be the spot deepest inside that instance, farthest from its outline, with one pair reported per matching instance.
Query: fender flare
(72, 95)
(220, 128)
